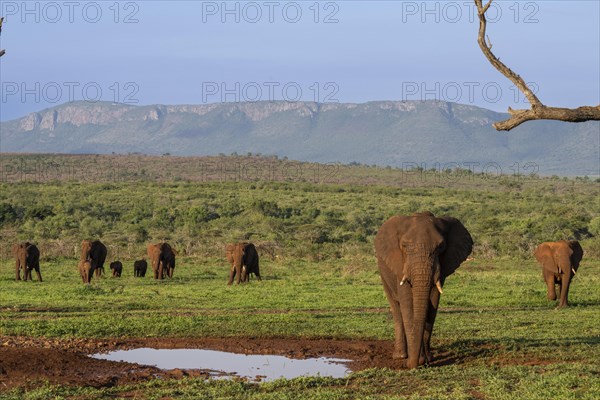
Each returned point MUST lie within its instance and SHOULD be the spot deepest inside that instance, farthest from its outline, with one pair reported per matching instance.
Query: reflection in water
(267, 367)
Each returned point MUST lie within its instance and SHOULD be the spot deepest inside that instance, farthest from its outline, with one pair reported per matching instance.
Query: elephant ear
(459, 245)
(560, 254)
(543, 254)
(388, 244)
(577, 254)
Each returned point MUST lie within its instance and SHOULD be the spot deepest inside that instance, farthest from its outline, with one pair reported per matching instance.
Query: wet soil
(30, 362)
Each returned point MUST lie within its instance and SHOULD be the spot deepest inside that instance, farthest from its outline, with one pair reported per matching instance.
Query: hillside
(383, 133)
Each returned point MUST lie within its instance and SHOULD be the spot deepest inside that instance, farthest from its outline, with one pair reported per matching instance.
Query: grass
(563, 381)
(507, 340)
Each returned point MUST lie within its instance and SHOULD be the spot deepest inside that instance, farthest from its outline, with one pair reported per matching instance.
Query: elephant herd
(415, 254)
(93, 255)
(242, 256)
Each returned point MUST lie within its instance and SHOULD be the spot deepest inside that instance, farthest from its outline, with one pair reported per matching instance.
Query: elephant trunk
(564, 289)
(424, 277)
(421, 293)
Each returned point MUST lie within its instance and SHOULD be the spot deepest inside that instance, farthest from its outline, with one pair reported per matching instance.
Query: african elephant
(117, 268)
(243, 258)
(27, 258)
(415, 255)
(139, 268)
(95, 253)
(85, 270)
(162, 258)
(560, 261)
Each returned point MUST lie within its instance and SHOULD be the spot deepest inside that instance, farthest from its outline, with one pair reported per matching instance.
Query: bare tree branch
(1, 51)
(537, 110)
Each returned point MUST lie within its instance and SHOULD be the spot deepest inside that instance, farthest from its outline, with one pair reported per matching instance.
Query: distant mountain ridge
(430, 134)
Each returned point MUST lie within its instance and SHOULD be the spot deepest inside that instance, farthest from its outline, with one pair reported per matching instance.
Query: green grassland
(320, 277)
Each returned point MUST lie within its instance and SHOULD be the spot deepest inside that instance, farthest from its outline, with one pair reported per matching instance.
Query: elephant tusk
(403, 280)
(438, 285)
(574, 272)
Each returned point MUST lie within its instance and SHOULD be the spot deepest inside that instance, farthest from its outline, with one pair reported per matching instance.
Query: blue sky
(194, 52)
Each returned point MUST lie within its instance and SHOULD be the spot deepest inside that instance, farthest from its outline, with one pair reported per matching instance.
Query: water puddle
(255, 367)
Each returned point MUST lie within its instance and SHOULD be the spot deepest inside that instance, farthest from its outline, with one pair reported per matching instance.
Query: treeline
(308, 220)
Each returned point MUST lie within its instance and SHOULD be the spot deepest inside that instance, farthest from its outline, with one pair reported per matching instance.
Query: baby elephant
(139, 268)
(85, 270)
(117, 268)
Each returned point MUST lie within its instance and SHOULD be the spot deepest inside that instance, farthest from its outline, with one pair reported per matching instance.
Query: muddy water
(256, 367)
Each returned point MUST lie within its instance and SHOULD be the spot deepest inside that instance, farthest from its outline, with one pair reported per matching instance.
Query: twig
(2, 52)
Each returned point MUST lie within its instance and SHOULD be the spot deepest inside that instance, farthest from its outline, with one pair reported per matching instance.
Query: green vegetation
(507, 339)
(201, 204)
(320, 277)
(572, 381)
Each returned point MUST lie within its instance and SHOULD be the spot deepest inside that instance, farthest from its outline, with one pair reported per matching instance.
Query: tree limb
(537, 110)
(2, 52)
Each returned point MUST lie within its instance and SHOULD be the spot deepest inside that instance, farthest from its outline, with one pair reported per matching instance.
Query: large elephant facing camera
(27, 258)
(560, 261)
(162, 258)
(243, 258)
(415, 255)
(94, 252)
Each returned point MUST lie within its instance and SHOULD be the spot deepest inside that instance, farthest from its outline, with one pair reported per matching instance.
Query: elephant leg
(231, 275)
(161, 272)
(238, 271)
(564, 289)
(549, 278)
(399, 335)
(18, 270)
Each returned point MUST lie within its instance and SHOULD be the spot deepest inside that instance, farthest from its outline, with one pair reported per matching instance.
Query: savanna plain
(496, 336)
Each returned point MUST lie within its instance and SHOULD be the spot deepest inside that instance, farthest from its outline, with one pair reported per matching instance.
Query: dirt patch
(29, 362)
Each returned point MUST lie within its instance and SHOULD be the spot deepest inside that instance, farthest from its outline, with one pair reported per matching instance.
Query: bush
(594, 226)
